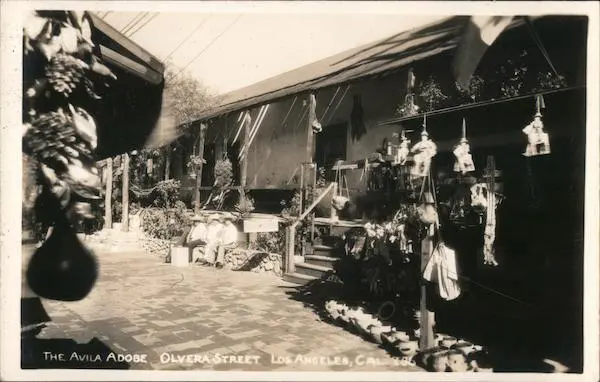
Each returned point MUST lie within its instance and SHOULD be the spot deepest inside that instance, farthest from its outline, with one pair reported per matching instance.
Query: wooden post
(244, 164)
(200, 165)
(427, 317)
(290, 238)
(125, 206)
(310, 143)
(167, 161)
(108, 194)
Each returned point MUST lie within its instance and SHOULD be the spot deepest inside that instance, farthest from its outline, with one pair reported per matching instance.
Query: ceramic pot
(439, 362)
(376, 332)
(457, 361)
(408, 349)
(465, 347)
(400, 336)
(447, 342)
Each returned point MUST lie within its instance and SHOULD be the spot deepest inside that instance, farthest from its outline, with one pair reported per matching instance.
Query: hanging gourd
(462, 152)
(422, 152)
(538, 141)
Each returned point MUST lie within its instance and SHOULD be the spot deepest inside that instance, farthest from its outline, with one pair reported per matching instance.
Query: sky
(228, 51)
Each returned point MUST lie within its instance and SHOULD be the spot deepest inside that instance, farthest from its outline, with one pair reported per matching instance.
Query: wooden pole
(167, 161)
(200, 165)
(427, 317)
(290, 239)
(108, 194)
(310, 144)
(125, 206)
(244, 164)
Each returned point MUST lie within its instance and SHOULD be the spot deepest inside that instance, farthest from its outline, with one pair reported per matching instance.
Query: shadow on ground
(59, 353)
(518, 338)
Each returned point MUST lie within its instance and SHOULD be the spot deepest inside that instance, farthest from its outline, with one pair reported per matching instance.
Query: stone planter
(180, 256)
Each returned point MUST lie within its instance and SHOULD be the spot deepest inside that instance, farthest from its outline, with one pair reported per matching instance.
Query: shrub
(162, 223)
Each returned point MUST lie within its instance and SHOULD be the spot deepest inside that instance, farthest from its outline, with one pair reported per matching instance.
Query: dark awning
(130, 110)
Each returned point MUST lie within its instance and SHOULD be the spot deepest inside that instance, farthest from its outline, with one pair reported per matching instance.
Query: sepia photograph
(227, 189)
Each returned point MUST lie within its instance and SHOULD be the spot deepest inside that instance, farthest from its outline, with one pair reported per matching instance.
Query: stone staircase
(320, 260)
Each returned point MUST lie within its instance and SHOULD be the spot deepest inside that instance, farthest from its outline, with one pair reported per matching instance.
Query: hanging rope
(540, 45)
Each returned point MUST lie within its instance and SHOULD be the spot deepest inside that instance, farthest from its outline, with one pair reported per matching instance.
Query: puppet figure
(462, 152)
(403, 150)
(423, 151)
(538, 141)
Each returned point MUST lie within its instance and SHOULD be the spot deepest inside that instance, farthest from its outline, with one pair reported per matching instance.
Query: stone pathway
(196, 318)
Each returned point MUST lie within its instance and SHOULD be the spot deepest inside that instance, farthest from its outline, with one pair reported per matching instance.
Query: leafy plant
(194, 162)
(431, 93)
(223, 174)
(408, 108)
(271, 242)
(163, 223)
(475, 90)
(245, 204)
(167, 192)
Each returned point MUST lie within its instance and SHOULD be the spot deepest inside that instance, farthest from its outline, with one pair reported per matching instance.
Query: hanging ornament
(538, 141)
(422, 152)
(462, 152)
(490, 224)
(403, 150)
(149, 166)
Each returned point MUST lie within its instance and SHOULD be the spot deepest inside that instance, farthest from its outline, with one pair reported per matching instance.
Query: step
(331, 241)
(297, 278)
(325, 250)
(312, 270)
(323, 261)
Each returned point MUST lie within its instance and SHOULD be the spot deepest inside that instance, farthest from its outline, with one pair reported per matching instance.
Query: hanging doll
(403, 150)
(538, 141)
(423, 151)
(462, 152)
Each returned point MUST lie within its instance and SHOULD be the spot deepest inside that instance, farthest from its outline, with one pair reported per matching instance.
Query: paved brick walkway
(166, 313)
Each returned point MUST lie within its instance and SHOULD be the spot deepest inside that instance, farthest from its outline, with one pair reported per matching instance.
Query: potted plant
(194, 163)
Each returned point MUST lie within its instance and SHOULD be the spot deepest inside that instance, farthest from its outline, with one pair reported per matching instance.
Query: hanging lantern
(538, 141)
(462, 152)
(423, 151)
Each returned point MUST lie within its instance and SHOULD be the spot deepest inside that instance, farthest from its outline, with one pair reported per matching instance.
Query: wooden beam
(125, 205)
(244, 163)
(108, 194)
(200, 166)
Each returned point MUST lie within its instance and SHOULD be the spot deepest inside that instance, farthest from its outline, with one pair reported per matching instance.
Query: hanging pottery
(462, 152)
(422, 152)
(538, 141)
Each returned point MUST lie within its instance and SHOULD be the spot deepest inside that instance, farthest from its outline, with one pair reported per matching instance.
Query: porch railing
(291, 229)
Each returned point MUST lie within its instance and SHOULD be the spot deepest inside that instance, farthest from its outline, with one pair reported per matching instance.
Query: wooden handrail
(313, 205)
(291, 231)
